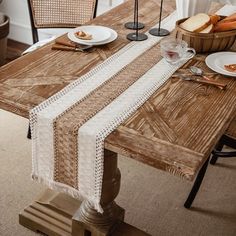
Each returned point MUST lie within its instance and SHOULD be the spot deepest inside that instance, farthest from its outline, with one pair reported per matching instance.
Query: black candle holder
(159, 31)
(134, 25)
(136, 36)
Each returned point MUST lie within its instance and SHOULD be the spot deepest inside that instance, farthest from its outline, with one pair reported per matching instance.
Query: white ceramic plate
(99, 33)
(112, 37)
(216, 62)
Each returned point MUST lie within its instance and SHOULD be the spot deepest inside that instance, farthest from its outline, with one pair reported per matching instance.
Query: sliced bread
(208, 29)
(196, 23)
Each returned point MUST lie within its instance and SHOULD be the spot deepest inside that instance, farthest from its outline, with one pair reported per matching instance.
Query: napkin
(63, 43)
(38, 45)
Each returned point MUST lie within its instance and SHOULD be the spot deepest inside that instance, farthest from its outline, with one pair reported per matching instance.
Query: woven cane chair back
(62, 13)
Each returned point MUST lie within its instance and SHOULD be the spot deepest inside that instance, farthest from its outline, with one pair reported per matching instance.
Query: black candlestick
(134, 25)
(159, 31)
(136, 36)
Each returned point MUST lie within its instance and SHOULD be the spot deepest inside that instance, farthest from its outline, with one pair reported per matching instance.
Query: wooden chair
(228, 139)
(60, 14)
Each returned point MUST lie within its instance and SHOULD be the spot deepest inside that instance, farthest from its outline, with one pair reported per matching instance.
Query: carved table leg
(57, 214)
(88, 221)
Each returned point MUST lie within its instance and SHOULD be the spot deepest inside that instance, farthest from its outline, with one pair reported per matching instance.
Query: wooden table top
(175, 130)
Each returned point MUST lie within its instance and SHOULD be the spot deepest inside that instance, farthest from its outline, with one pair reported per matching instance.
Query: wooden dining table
(175, 130)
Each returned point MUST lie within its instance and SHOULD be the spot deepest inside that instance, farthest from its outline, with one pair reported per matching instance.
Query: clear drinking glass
(175, 50)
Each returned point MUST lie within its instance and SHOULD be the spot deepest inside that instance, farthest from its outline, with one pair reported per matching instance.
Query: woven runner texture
(66, 126)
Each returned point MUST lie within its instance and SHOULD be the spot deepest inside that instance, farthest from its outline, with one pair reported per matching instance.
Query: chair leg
(196, 185)
(214, 158)
(35, 35)
(29, 133)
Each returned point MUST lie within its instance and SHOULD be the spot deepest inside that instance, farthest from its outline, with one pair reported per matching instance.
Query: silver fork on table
(203, 81)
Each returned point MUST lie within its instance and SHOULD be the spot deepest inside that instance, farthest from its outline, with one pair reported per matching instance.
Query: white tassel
(98, 207)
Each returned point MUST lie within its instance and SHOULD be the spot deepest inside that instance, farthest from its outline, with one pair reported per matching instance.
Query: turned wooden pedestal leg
(88, 221)
(58, 214)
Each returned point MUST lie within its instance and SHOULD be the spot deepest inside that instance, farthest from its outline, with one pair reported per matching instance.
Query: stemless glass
(175, 50)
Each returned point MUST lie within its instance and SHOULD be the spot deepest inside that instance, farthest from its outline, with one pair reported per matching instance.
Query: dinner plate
(99, 33)
(112, 37)
(216, 62)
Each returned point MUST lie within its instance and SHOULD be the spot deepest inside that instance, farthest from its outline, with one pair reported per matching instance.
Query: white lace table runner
(69, 129)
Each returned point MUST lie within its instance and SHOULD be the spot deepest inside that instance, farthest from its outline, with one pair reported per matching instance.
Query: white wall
(17, 10)
(20, 29)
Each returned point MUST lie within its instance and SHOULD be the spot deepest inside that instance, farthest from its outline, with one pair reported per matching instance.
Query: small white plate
(112, 37)
(216, 62)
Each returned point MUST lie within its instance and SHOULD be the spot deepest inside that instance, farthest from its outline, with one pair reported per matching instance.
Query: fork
(203, 81)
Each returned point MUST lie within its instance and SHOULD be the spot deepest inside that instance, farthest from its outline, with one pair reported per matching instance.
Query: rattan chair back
(60, 13)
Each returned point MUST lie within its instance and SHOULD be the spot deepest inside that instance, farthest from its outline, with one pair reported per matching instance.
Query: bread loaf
(214, 19)
(210, 28)
(229, 18)
(225, 26)
(196, 23)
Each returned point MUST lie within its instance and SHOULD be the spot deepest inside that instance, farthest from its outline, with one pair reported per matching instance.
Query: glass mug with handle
(176, 50)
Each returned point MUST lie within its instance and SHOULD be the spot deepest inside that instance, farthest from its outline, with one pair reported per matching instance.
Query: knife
(69, 48)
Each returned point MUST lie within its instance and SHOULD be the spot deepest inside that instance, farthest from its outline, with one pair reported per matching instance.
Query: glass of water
(175, 50)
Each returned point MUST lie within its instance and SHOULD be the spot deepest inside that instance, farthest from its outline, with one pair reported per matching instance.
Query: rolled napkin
(57, 46)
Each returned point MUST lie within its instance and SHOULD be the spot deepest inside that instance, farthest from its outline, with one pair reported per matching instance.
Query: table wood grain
(175, 130)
